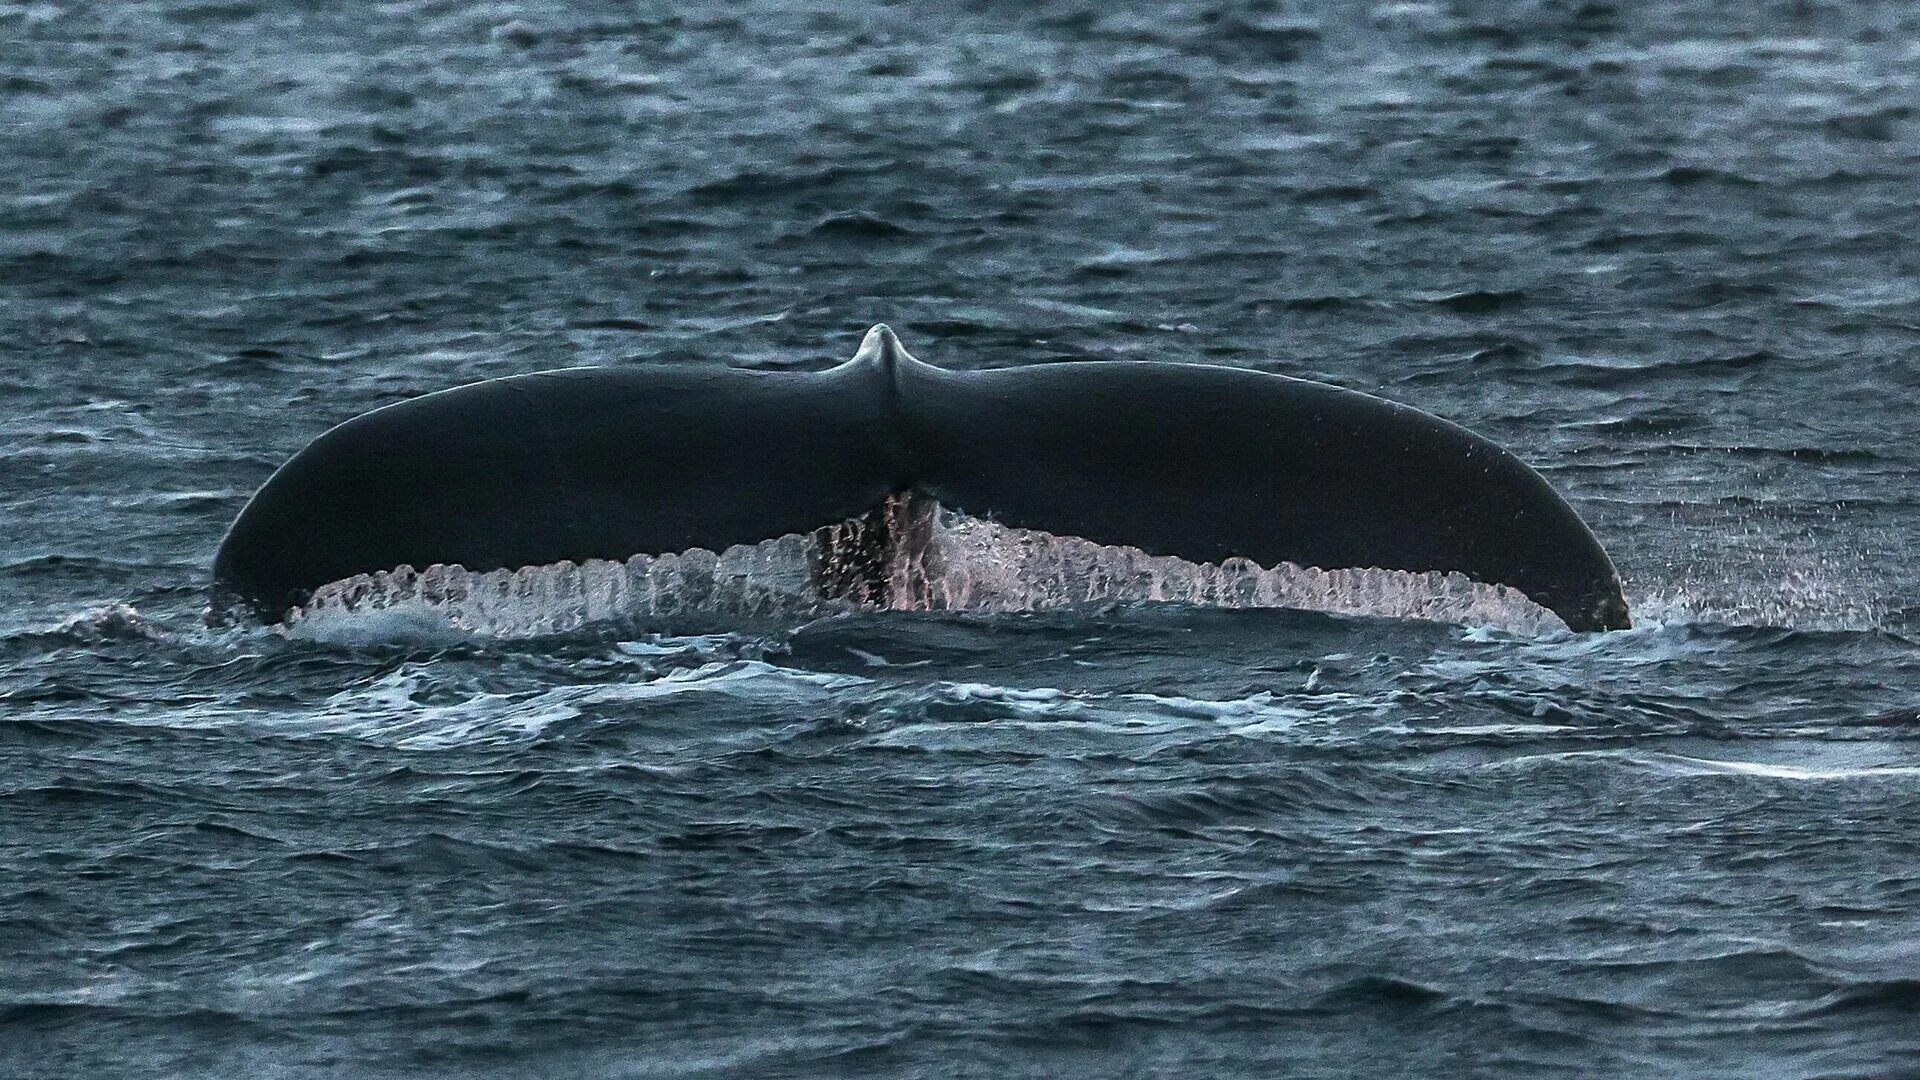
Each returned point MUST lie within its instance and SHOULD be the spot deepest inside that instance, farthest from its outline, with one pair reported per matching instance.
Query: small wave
(1381, 990)
(1689, 175)
(108, 622)
(941, 561)
(1683, 765)
(945, 715)
(1680, 763)
(1893, 995)
(859, 225)
(1480, 302)
(398, 710)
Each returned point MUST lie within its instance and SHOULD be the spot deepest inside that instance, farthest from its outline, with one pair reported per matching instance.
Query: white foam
(969, 564)
(766, 581)
(390, 712)
(1709, 766)
(939, 561)
(1816, 763)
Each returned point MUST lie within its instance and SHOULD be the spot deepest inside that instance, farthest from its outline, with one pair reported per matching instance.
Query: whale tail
(1205, 464)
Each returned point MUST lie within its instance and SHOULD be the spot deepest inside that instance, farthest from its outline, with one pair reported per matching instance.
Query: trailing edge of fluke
(1203, 463)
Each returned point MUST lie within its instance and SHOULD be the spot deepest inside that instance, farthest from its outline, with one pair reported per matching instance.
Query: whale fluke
(1202, 463)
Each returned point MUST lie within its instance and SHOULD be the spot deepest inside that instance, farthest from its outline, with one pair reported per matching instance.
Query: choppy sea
(1662, 250)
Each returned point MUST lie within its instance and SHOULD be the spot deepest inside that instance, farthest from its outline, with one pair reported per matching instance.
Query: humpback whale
(1202, 463)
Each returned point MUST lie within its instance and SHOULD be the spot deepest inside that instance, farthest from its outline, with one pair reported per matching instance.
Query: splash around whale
(544, 502)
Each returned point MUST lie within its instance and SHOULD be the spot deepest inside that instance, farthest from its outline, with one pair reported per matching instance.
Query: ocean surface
(1663, 251)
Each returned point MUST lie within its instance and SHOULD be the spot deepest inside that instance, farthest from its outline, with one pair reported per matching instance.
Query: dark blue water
(1663, 251)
